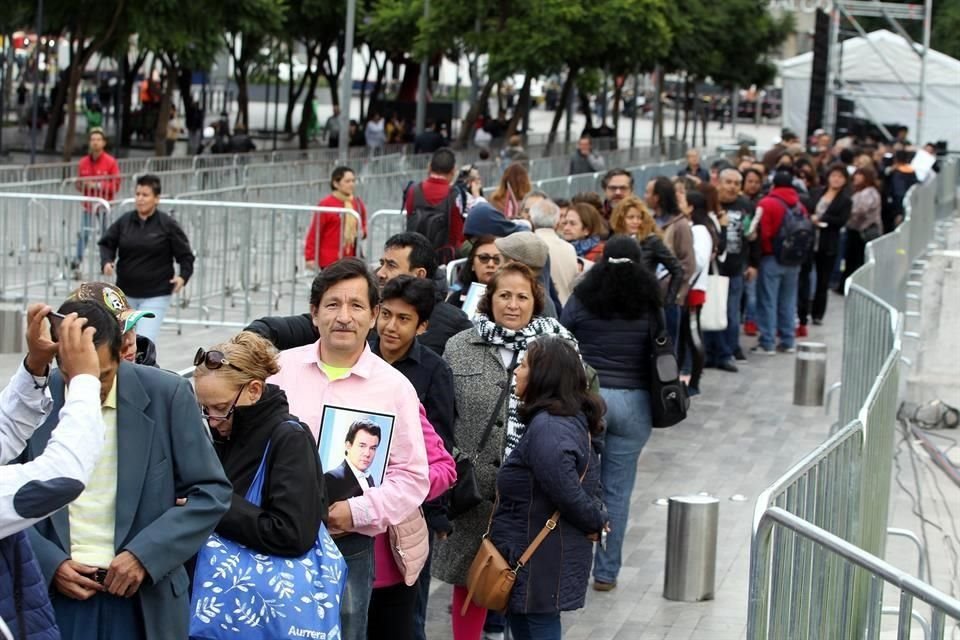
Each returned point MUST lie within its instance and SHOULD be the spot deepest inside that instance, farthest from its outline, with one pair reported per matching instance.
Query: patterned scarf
(518, 341)
(349, 223)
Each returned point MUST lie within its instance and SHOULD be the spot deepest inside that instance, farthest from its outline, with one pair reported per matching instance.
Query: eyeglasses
(233, 406)
(213, 360)
(485, 258)
(617, 187)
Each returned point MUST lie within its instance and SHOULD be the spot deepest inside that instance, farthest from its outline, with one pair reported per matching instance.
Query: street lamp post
(346, 81)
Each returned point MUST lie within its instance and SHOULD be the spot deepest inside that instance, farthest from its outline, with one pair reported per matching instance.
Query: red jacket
(773, 212)
(435, 189)
(106, 188)
(326, 227)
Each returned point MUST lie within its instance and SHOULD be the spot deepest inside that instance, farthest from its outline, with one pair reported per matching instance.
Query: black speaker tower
(818, 75)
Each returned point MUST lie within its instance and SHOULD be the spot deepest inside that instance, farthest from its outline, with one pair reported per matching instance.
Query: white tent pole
(927, 14)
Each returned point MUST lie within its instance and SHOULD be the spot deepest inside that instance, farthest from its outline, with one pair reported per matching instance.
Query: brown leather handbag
(490, 578)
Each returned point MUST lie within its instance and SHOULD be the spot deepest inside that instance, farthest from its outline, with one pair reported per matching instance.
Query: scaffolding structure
(893, 13)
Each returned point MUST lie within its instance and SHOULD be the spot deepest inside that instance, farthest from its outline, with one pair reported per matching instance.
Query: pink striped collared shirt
(372, 385)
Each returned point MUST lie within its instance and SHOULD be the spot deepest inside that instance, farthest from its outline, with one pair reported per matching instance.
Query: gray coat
(164, 454)
(478, 374)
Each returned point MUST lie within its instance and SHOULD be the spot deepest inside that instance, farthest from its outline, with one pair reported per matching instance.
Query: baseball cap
(525, 247)
(115, 301)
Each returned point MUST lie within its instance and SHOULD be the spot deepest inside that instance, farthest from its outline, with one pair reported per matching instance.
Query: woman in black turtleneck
(245, 414)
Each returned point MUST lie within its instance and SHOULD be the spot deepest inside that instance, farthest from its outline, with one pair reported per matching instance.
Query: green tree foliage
(250, 25)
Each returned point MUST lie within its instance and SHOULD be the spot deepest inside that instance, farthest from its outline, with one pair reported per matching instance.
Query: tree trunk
(163, 116)
(561, 108)
(363, 88)
(243, 95)
(471, 118)
(686, 106)
(294, 95)
(78, 61)
(617, 97)
(306, 113)
(59, 99)
(378, 84)
(523, 100)
(585, 105)
(129, 75)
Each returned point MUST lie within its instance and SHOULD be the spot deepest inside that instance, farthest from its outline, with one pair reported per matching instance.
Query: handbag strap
(496, 410)
(255, 492)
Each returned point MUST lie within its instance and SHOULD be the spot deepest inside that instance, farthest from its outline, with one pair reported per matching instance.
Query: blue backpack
(240, 594)
(794, 242)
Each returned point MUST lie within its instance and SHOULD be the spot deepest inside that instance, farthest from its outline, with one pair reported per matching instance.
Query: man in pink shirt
(340, 370)
(98, 176)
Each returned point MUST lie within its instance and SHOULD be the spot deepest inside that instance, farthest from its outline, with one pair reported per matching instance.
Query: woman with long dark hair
(830, 213)
(332, 236)
(541, 476)
(865, 222)
(612, 313)
(661, 197)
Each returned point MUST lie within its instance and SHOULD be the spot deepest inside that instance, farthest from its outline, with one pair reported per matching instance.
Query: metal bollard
(810, 374)
(11, 330)
(691, 566)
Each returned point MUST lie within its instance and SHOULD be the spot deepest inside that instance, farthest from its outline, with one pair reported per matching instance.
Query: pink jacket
(443, 473)
(372, 385)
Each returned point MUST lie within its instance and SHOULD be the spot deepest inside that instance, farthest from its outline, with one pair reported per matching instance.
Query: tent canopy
(888, 99)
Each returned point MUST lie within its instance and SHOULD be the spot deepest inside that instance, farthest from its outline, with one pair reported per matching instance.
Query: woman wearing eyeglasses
(245, 414)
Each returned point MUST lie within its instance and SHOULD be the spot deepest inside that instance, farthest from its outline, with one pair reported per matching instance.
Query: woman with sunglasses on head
(245, 415)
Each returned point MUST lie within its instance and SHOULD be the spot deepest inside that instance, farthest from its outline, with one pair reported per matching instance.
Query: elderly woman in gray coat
(483, 360)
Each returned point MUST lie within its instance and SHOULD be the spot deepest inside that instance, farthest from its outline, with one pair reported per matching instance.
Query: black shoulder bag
(668, 394)
(465, 494)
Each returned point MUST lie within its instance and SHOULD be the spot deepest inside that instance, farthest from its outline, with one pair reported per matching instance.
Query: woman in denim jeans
(612, 313)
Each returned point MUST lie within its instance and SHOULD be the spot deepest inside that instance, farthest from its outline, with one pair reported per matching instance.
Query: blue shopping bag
(240, 594)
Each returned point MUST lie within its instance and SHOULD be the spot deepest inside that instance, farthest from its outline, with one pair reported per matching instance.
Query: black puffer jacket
(540, 476)
(618, 349)
(294, 501)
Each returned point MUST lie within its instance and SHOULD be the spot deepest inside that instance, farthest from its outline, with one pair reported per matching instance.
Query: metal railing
(820, 530)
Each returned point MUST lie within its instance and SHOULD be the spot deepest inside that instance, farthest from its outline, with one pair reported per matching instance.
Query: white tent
(887, 99)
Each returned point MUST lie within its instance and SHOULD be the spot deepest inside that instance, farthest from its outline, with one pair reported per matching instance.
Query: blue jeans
(150, 327)
(721, 345)
(672, 313)
(92, 221)
(535, 626)
(628, 429)
(777, 302)
(750, 290)
(356, 596)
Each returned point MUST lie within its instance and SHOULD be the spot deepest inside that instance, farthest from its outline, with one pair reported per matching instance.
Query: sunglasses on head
(212, 360)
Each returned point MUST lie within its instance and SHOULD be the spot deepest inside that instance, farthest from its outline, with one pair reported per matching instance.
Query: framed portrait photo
(354, 448)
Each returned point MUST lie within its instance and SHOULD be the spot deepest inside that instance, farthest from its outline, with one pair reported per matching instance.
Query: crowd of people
(382, 435)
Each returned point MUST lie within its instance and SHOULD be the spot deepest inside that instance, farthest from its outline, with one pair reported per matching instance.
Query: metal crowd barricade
(382, 224)
(38, 239)
(249, 259)
(819, 531)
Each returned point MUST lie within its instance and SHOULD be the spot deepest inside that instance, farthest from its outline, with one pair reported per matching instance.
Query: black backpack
(433, 221)
(793, 244)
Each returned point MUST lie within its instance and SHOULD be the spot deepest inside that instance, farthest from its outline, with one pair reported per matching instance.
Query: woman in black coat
(830, 214)
(632, 218)
(245, 415)
(553, 468)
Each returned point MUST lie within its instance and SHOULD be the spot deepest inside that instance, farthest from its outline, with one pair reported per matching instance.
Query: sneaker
(817, 321)
(493, 635)
(762, 350)
(750, 328)
(604, 586)
(783, 349)
(802, 331)
(739, 356)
